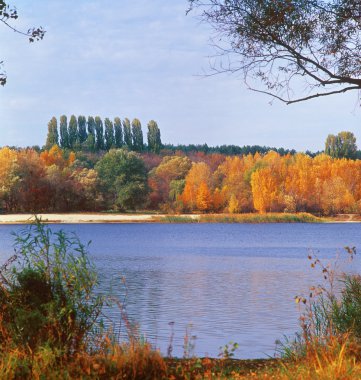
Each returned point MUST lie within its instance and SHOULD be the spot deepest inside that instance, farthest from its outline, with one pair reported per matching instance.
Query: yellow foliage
(203, 199)
(233, 205)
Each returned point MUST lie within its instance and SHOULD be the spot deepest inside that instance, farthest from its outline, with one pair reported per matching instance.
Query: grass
(261, 218)
(176, 219)
(242, 218)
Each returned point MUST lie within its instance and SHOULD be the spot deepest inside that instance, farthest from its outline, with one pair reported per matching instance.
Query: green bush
(47, 292)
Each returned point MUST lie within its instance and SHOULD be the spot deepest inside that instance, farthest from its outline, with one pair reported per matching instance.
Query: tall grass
(241, 218)
(260, 218)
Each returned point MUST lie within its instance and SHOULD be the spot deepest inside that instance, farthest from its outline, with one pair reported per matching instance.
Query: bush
(47, 292)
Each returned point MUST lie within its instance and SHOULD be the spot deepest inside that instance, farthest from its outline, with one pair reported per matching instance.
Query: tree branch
(287, 101)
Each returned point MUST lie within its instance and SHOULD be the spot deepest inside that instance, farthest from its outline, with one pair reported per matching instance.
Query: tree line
(61, 180)
(92, 134)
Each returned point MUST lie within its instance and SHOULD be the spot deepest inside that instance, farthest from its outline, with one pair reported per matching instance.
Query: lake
(215, 283)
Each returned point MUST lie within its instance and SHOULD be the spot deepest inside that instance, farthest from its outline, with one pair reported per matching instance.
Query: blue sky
(145, 59)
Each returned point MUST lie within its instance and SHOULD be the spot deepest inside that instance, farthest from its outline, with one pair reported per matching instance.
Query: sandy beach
(79, 218)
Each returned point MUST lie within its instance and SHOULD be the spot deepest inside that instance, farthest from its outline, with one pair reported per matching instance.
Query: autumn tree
(137, 136)
(154, 140)
(232, 178)
(64, 135)
(287, 45)
(9, 178)
(127, 133)
(167, 179)
(33, 192)
(203, 198)
(109, 134)
(53, 156)
(265, 190)
(118, 133)
(197, 175)
(53, 135)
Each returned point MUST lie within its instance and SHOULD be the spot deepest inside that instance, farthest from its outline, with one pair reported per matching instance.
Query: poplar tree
(89, 143)
(53, 136)
(64, 136)
(118, 133)
(91, 125)
(137, 135)
(109, 134)
(99, 131)
(154, 141)
(73, 132)
(127, 133)
(82, 135)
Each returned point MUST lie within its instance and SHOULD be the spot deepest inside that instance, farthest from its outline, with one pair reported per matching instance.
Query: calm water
(218, 282)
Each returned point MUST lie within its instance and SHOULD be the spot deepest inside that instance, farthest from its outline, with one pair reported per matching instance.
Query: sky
(146, 59)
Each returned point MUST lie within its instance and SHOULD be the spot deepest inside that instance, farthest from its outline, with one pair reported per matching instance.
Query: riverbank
(69, 218)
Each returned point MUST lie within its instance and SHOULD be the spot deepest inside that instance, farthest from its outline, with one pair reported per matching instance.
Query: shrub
(47, 291)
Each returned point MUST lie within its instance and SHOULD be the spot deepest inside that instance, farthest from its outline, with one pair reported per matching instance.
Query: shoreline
(103, 218)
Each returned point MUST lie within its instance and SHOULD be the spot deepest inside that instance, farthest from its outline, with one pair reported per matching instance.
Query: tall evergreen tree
(109, 134)
(89, 143)
(127, 133)
(118, 133)
(73, 132)
(53, 136)
(137, 135)
(64, 135)
(99, 131)
(82, 135)
(91, 125)
(154, 141)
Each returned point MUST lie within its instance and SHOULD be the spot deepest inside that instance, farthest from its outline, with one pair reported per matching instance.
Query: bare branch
(287, 101)
(282, 42)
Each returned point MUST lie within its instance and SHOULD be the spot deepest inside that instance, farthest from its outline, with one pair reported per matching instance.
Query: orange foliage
(53, 156)
(203, 198)
(198, 174)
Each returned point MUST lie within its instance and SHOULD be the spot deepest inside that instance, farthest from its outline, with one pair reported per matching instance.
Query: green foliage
(82, 135)
(91, 125)
(47, 293)
(53, 136)
(99, 144)
(137, 136)
(154, 140)
(89, 144)
(341, 146)
(118, 133)
(73, 132)
(109, 134)
(123, 179)
(64, 135)
(227, 351)
(128, 140)
(176, 188)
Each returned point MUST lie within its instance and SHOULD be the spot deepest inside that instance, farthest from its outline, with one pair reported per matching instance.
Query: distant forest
(91, 165)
